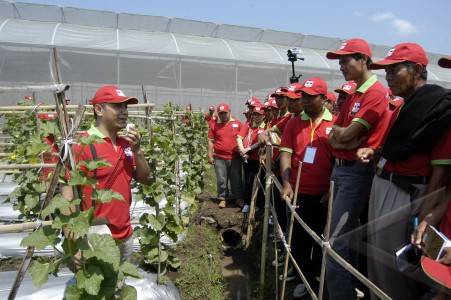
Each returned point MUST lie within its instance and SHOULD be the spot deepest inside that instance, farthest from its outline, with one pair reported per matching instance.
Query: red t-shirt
(117, 212)
(419, 164)
(368, 106)
(250, 137)
(296, 137)
(224, 139)
(282, 122)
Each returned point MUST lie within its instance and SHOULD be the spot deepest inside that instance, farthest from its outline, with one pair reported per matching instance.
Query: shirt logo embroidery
(128, 152)
(355, 108)
(120, 93)
(234, 125)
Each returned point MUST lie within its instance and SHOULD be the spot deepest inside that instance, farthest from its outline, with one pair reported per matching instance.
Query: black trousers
(305, 250)
(250, 171)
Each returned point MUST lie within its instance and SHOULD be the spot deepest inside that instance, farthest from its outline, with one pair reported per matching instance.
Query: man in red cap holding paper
(210, 117)
(361, 122)
(414, 161)
(223, 154)
(126, 161)
(304, 140)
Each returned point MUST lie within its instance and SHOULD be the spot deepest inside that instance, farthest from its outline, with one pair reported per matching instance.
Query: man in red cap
(248, 146)
(305, 140)
(281, 100)
(223, 154)
(362, 121)
(344, 92)
(271, 112)
(210, 117)
(330, 102)
(126, 159)
(414, 161)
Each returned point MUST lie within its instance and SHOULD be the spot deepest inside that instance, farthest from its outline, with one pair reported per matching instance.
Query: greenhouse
(179, 60)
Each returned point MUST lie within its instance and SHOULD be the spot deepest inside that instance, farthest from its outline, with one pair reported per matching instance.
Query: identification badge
(234, 125)
(309, 156)
(381, 163)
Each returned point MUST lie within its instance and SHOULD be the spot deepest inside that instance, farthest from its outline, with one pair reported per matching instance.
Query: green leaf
(31, 200)
(129, 270)
(104, 248)
(91, 165)
(155, 223)
(174, 262)
(77, 178)
(79, 223)
(105, 196)
(72, 293)
(40, 272)
(58, 203)
(128, 293)
(41, 238)
(90, 280)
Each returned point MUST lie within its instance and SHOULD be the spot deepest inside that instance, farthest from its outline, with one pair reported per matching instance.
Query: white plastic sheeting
(146, 287)
(178, 60)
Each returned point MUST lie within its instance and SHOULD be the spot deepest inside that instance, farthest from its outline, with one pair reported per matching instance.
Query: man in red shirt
(305, 140)
(126, 159)
(414, 161)
(249, 146)
(362, 120)
(330, 102)
(223, 154)
(210, 118)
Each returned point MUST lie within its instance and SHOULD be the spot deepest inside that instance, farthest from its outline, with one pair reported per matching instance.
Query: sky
(381, 22)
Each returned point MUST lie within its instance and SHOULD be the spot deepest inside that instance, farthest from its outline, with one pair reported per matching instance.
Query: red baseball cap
(28, 98)
(271, 103)
(281, 91)
(351, 46)
(437, 271)
(47, 116)
(211, 108)
(331, 97)
(260, 109)
(253, 101)
(402, 52)
(223, 107)
(294, 91)
(314, 86)
(111, 94)
(347, 87)
(445, 62)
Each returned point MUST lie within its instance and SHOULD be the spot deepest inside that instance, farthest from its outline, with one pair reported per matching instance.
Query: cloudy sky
(379, 21)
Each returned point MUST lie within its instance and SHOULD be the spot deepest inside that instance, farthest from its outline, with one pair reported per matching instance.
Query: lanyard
(312, 130)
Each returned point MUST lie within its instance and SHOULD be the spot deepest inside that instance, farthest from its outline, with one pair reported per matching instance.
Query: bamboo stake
(21, 227)
(290, 232)
(25, 166)
(268, 185)
(251, 216)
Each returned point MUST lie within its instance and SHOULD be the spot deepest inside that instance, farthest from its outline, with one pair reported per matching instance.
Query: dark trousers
(250, 171)
(305, 250)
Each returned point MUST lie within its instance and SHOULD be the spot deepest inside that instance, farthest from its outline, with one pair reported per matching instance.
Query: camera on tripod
(294, 54)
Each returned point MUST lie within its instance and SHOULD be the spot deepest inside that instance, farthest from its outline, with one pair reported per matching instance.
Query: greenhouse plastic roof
(75, 28)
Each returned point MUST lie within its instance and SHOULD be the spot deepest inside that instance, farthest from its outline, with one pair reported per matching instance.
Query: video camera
(294, 54)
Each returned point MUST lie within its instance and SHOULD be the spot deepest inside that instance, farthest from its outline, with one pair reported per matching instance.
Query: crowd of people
(387, 149)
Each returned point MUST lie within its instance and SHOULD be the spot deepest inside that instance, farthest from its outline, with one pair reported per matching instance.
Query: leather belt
(339, 162)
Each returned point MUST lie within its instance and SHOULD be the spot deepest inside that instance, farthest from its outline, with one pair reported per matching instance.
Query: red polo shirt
(301, 133)
(419, 164)
(224, 139)
(211, 120)
(117, 212)
(250, 137)
(282, 122)
(368, 106)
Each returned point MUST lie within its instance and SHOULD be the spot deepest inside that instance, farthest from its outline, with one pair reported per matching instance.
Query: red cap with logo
(331, 97)
(271, 103)
(411, 52)
(281, 91)
(259, 109)
(211, 108)
(294, 91)
(445, 62)
(314, 86)
(253, 101)
(28, 98)
(347, 87)
(351, 46)
(111, 94)
(223, 107)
